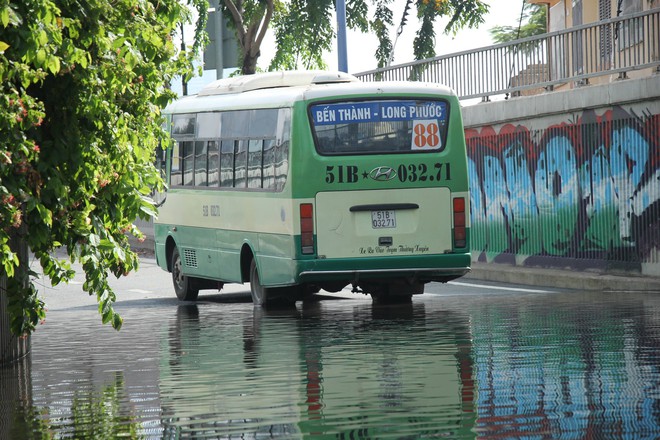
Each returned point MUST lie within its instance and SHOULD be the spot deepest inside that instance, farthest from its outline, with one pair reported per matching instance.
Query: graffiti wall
(582, 193)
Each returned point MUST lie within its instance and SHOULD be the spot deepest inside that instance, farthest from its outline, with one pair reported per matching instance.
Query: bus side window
(209, 125)
(240, 164)
(183, 124)
(227, 164)
(269, 164)
(188, 163)
(255, 164)
(263, 123)
(201, 159)
(281, 164)
(175, 173)
(214, 163)
(227, 154)
(235, 124)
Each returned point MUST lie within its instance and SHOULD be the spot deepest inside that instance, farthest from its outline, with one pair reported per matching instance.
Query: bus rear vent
(190, 257)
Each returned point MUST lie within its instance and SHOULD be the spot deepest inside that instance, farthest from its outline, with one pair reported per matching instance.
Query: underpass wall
(568, 179)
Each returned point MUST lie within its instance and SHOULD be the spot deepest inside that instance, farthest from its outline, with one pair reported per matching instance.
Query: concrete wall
(568, 179)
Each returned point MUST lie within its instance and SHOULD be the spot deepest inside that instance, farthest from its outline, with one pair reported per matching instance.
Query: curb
(564, 279)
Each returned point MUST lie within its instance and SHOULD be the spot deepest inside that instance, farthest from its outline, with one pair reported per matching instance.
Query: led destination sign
(378, 111)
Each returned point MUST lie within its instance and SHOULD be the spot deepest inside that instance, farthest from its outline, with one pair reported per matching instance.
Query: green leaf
(4, 17)
(107, 316)
(149, 210)
(131, 59)
(41, 57)
(106, 245)
(118, 42)
(9, 261)
(117, 321)
(42, 38)
(53, 64)
(94, 239)
(84, 60)
(3, 46)
(119, 253)
(45, 213)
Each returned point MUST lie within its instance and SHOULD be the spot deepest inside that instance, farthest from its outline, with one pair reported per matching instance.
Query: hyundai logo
(382, 174)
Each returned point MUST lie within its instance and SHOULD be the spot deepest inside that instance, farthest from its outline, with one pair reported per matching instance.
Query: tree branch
(270, 6)
(238, 20)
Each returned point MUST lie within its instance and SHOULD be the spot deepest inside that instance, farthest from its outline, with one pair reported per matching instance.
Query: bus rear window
(376, 127)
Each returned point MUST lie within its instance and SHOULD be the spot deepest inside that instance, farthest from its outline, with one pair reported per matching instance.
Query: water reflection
(88, 381)
(93, 415)
(577, 366)
(345, 372)
(560, 365)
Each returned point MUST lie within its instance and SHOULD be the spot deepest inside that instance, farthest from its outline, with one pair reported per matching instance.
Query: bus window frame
(281, 123)
(426, 98)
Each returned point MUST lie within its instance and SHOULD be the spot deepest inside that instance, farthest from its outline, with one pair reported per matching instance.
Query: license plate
(383, 219)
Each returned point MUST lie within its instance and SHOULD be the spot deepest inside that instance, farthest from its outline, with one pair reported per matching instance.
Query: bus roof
(283, 89)
(269, 80)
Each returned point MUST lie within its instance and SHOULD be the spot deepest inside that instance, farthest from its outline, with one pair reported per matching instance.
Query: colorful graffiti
(582, 194)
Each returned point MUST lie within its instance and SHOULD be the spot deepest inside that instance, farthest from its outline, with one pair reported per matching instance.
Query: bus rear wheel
(260, 294)
(271, 297)
(184, 286)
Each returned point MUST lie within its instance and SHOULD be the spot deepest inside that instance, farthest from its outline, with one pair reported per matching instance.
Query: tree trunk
(12, 347)
(249, 63)
(15, 366)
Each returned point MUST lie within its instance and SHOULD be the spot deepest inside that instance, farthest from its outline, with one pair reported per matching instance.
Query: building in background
(627, 36)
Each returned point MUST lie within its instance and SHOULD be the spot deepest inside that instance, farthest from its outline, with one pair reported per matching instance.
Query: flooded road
(464, 360)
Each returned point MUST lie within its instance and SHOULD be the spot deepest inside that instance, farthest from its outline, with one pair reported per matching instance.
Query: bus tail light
(307, 228)
(460, 240)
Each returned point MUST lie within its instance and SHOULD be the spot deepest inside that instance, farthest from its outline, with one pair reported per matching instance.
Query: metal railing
(615, 46)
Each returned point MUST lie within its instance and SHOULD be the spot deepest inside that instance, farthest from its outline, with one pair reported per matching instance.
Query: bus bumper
(441, 268)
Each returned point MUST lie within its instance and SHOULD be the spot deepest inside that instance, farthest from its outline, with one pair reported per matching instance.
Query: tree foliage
(533, 21)
(82, 88)
(305, 29)
(461, 13)
(250, 20)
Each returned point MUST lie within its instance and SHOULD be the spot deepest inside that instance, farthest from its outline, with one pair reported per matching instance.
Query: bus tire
(184, 286)
(260, 294)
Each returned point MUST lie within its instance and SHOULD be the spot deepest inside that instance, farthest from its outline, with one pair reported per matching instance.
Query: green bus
(307, 180)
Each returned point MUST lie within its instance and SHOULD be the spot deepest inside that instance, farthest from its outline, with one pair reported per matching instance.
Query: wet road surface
(464, 360)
